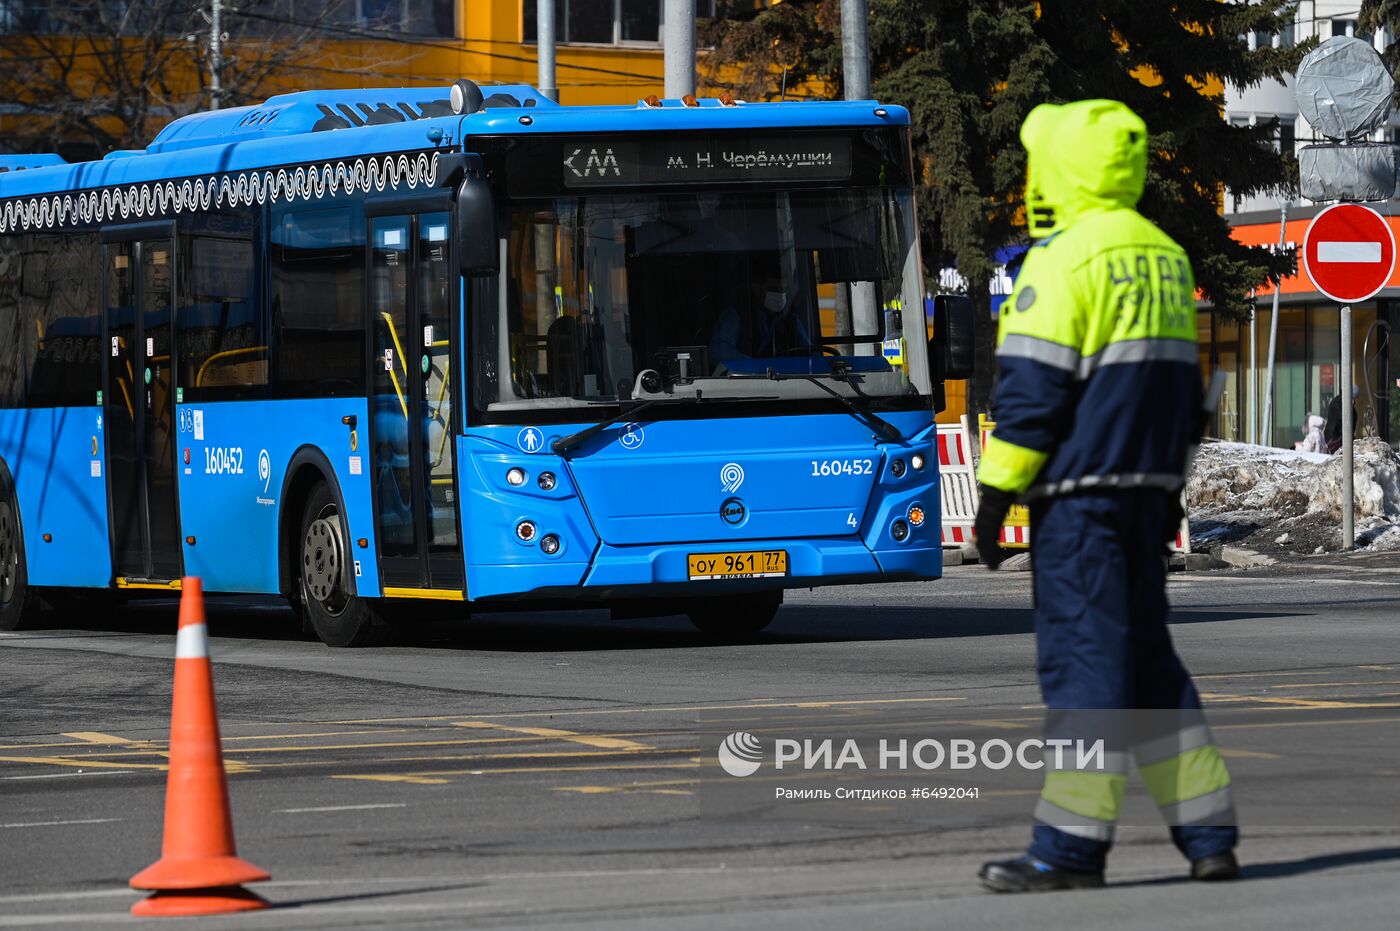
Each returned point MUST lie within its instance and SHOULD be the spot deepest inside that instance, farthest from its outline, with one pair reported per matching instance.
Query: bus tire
(339, 618)
(735, 615)
(18, 604)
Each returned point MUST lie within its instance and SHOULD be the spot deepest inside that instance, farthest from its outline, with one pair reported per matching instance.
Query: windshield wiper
(862, 411)
(565, 444)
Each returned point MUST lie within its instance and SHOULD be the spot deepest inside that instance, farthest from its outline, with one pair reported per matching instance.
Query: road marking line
(1300, 702)
(414, 780)
(95, 737)
(100, 772)
(431, 777)
(302, 811)
(1231, 753)
(79, 763)
(740, 706)
(604, 743)
(1309, 685)
(50, 824)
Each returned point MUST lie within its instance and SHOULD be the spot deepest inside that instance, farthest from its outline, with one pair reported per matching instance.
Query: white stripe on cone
(192, 642)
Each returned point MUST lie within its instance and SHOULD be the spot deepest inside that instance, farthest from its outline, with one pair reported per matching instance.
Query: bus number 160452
(829, 467)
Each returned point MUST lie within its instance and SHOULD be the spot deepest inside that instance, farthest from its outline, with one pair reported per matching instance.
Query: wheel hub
(322, 561)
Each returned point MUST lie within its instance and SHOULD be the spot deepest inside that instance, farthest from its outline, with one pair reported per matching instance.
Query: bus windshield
(709, 289)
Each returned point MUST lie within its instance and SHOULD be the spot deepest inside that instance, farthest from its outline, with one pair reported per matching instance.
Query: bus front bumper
(648, 571)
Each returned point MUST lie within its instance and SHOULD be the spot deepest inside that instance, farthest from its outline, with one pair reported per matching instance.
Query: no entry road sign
(1349, 252)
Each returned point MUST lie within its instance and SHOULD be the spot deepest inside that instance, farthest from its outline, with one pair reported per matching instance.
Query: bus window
(317, 302)
(59, 320)
(11, 382)
(223, 338)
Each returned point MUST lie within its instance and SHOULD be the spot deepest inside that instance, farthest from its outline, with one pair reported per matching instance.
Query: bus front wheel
(735, 615)
(339, 618)
(18, 605)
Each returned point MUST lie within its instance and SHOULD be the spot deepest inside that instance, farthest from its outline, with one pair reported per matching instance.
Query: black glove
(1175, 515)
(991, 512)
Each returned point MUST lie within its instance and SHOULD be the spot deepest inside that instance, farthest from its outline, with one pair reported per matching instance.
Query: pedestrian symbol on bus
(530, 440)
(632, 436)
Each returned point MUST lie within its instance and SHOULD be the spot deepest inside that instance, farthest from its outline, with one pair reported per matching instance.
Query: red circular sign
(1349, 252)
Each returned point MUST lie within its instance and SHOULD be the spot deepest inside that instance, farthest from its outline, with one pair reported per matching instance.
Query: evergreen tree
(1383, 14)
(970, 70)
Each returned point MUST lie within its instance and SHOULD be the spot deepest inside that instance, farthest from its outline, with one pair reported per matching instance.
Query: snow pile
(1281, 499)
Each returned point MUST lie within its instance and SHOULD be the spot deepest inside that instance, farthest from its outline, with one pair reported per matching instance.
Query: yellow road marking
(1319, 685)
(414, 780)
(588, 740)
(95, 737)
(1231, 753)
(315, 748)
(1301, 702)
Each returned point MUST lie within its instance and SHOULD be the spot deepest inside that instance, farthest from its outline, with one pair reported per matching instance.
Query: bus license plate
(758, 564)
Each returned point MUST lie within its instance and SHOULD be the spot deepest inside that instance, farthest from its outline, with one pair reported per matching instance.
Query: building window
(1286, 135)
(606, 22)
(1349, 27)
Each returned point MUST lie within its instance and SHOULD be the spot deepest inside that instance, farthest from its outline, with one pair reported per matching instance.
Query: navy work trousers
(1101, 633)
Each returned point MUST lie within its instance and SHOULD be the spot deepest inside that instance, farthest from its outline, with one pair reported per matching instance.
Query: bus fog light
(516, 476)
(525, 530)
(549, 544)
(900, 531)
(897, 467)
(547, 481)
(916, 515)
(917, 461)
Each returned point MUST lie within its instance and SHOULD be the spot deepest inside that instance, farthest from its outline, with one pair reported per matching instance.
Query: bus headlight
(549, 544)
(917, 461)
(525, 530)
(547, 481)
(516, 476)
(900, 531)
(897, 468)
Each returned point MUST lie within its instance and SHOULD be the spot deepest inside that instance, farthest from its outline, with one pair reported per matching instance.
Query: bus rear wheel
(339, 618)
(18, 606)
(735, 615)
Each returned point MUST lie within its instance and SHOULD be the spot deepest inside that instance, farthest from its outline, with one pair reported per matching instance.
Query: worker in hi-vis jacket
(1098, 403)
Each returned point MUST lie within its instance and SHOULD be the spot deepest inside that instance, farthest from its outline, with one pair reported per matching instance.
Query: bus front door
(139, 410)
(413, 290)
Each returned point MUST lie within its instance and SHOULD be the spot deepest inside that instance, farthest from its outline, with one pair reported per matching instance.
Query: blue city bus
(362, 348)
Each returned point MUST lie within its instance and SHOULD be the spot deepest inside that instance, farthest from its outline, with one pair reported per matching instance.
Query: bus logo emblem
(733, 512)
(731, 476)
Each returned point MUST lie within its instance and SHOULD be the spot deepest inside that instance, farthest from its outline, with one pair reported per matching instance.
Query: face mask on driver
(774, 301)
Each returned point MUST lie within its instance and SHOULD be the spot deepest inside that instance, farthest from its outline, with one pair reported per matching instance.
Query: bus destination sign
(698, 159)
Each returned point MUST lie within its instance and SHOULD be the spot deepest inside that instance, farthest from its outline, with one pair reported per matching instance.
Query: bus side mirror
(953, 342)
(478, 251)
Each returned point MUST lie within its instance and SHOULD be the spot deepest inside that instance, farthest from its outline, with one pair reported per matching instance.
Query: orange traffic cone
(199, 872)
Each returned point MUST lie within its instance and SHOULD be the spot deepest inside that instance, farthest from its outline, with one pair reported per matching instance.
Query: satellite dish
(1344, 90)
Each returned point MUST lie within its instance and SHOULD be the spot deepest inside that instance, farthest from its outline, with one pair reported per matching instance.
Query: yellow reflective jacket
(1098, 372)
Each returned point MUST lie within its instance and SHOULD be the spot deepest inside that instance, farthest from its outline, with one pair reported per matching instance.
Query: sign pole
(1348, 404)
(1266, 430)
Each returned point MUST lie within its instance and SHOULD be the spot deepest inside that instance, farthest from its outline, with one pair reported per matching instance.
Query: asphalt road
(551, 770)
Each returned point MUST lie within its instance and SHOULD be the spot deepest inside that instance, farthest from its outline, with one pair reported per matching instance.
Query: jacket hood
(1083, 156)
(1315, 422)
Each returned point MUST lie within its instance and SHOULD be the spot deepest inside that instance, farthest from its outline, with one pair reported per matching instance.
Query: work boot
(1027, 874)
(1217, 868)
